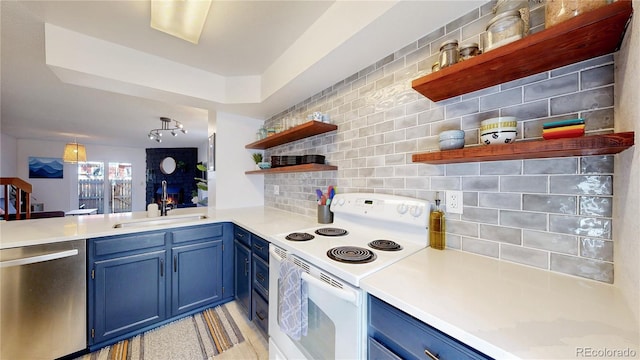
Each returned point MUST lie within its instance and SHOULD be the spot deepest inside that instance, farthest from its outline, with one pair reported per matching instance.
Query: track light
(156, 134)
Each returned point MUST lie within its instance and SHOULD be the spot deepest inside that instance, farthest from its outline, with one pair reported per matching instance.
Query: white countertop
(508, 310)
(262, 221)
(502, 309)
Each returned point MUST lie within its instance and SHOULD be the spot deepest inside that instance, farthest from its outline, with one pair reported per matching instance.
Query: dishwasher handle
(39, 258)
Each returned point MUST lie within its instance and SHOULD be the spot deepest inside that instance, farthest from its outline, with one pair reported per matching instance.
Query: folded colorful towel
(293, 301)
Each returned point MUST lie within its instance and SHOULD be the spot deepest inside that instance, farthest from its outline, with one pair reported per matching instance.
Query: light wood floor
(255, 346)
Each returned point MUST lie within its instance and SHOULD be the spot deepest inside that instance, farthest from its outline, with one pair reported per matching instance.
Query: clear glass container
(503, 29)
(448, 53)
(467, 51)
(557, 11)
(521, 5)
(437, 230)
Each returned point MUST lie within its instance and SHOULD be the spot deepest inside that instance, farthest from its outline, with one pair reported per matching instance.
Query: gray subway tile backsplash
(588, 268)
(552, 214)
(549, 203)
(526, 256)
(581, 184)
(501, 234)
(524, 184)
(524, 220)
(584, 226)
(553, 242)
(499, 200)
(481, 247)
(551, 166)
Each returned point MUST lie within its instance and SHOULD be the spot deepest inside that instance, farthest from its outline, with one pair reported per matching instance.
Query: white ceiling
(292, 49)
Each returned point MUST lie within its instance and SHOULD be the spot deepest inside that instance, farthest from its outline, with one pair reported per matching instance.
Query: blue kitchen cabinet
(127, 284)
(394, 334)
(242, 276)
(143, 280)
(260, 283)
(197, 276)
(252, 276)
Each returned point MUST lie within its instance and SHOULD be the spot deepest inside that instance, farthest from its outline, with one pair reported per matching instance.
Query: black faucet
(163, 200)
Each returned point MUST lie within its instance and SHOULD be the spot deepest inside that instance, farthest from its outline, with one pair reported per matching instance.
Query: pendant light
(74, 153)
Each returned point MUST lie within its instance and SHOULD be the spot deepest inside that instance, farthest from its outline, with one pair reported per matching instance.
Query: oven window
(320, 342)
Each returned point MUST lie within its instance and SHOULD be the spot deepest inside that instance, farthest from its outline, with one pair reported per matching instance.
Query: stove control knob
(402, 208)
(341, 201)
(415, 211)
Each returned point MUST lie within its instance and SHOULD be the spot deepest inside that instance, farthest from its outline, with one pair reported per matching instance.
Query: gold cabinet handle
(430, 355)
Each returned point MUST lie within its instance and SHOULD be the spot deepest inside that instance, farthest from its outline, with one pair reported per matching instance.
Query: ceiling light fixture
(181, 18)
(74, 153)
(156, 134)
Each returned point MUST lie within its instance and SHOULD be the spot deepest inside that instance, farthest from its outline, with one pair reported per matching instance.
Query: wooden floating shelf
(301, 131)
(532, 149)
(586, 36)
(294, 169)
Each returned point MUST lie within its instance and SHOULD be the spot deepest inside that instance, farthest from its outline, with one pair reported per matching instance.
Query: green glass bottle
(437, 227)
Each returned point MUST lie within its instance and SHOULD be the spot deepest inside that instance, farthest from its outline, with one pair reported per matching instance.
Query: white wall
(626, 181)
(62, 194)
(233, 187)
(8, 147)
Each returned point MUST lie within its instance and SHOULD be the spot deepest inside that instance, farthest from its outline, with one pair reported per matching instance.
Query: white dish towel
(293, 301)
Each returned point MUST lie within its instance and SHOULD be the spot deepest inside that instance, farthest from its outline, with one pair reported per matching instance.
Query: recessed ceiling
(260, 39)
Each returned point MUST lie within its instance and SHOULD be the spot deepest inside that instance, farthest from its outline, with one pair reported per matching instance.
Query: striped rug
(201, 336)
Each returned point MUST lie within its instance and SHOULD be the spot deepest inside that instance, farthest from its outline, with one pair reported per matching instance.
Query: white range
(369, 233)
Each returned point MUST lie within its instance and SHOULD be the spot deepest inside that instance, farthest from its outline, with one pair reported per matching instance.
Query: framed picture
(45, 167)
(211, 156)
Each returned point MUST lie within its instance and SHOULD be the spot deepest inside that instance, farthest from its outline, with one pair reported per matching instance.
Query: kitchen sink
(165, 220)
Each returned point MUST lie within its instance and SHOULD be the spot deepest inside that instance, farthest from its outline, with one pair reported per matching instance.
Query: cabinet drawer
(260, 276)
(260, 247)
(242, 235)
(377, 351)
(409, 337)
(197, 233)
(123, 243)
(260, 313)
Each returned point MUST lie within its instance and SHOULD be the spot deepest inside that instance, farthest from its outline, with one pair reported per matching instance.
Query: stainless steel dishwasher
(43, 300)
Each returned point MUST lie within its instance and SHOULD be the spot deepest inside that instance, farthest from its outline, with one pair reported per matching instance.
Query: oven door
(336, 317)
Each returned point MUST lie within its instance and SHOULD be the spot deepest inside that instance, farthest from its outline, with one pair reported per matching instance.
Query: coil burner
(331, 232)
(385, 245)
(351, 254)
(297, 236)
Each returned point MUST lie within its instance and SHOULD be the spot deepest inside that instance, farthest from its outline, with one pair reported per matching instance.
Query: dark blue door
(129, 294)
(242, 276)
(196, 276)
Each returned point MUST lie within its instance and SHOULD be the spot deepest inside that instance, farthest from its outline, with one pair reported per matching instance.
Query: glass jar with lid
(503, 29)
(469, 50)
(448, 53)
(557, 11)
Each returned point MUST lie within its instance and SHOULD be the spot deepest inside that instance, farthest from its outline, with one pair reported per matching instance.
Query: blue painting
(45, 168)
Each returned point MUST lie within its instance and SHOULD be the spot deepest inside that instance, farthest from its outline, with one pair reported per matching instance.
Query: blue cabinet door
(242, 276)
(196, 278)
(129, 294)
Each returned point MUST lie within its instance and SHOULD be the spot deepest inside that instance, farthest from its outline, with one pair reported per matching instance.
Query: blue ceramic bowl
(264, 165)
(451, 134)
(451, 144)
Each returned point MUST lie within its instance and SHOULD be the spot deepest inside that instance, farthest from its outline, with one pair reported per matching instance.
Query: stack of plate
(278, 161)
(498, 130)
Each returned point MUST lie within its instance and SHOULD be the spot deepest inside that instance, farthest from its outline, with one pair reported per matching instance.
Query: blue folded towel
(293, 303)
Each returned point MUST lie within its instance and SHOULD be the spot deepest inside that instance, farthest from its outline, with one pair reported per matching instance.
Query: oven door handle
(341, 293)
